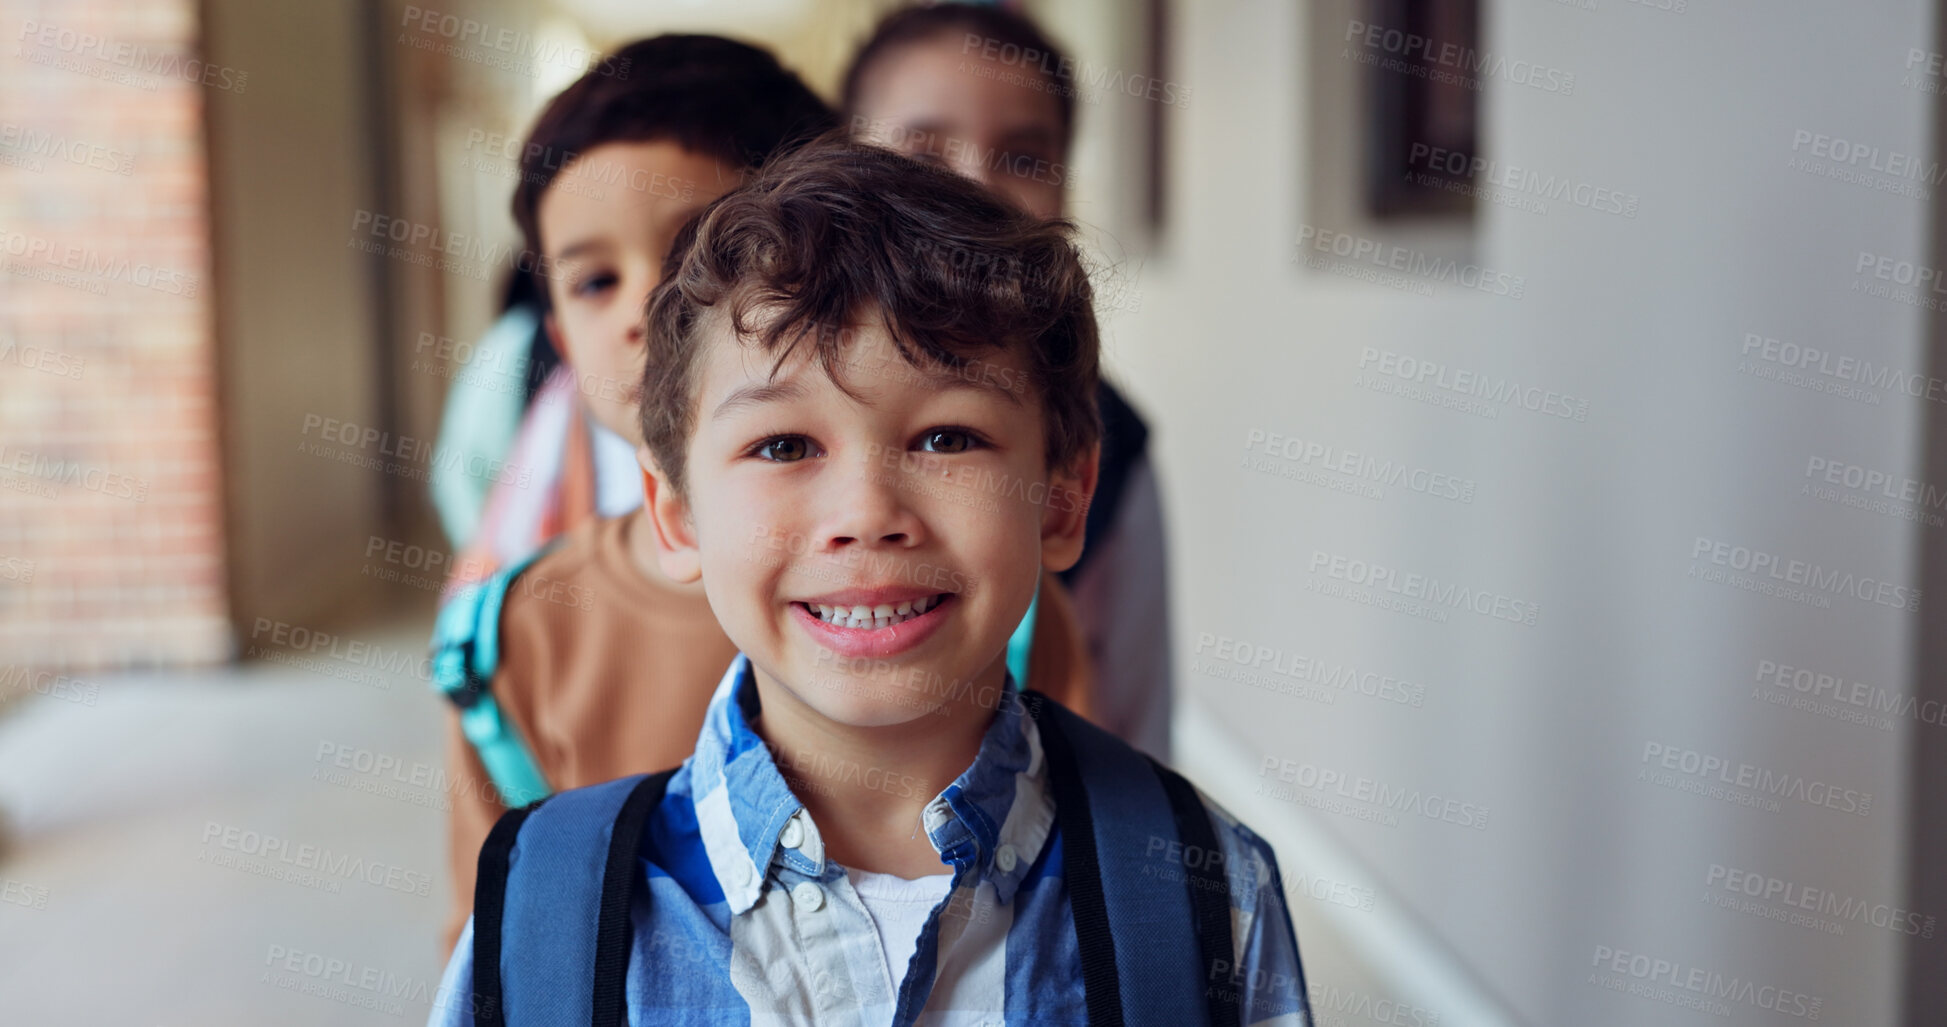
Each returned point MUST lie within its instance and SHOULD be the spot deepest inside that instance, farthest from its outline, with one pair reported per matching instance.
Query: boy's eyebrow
(927, 127)
(757, 394)
(944, 380)
(1028, 135)
(575, 249)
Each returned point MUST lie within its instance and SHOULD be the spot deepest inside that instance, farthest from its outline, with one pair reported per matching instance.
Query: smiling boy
(616, 679)
(875, 826)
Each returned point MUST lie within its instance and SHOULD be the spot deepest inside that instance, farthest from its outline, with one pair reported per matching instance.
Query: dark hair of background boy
(711, 95)
(926, 23)
(839, 231)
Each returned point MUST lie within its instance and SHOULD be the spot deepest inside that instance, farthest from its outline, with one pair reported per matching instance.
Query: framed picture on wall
(1422, 105)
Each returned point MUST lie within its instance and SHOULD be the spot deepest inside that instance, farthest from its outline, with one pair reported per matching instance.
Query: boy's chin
(863, 703)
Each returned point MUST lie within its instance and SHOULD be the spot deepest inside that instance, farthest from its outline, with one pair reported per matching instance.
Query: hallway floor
(264, 845)
(188, 850)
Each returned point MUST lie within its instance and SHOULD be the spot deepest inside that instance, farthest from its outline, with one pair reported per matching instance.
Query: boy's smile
(877, 623)
(870, 543)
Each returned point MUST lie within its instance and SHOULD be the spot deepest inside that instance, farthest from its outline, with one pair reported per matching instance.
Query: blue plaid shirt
(748, 922)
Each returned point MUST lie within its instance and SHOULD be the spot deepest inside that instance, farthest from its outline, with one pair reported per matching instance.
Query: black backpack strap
(489, 902)
(1081, 871)
(620, 880)
(1209, 882)
(613, 927)
(1165, 988)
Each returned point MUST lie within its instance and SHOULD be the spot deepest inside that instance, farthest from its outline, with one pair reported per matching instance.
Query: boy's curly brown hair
(839, 232)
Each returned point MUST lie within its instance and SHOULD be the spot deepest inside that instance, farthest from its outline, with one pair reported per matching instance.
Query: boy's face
(977, 116)
(929, 494)
(606, 223)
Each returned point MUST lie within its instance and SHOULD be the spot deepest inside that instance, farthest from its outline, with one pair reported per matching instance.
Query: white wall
(1595, 521)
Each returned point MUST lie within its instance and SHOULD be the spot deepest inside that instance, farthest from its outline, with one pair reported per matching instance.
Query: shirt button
(1005, 858)
(793, 835)
(808, 897)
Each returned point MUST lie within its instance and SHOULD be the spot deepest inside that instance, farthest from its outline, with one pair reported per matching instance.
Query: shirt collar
(994, 818)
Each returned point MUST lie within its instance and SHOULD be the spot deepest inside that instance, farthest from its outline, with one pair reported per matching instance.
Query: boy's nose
(639, 316)
(871, 509)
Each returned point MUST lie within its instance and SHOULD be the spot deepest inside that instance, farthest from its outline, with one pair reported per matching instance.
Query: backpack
(466, 652)
(551, 945)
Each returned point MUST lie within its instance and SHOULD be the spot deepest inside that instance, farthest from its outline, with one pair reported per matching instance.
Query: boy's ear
(1064, 517)
(669, 513)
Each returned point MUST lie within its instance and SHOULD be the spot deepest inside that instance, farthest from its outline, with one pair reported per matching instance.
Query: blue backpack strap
(1081, 870)
(551, 940)
(466, 652)
(1209, 894)
(1109, 803)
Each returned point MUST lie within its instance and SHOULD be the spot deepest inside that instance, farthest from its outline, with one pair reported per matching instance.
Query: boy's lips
(876, 642)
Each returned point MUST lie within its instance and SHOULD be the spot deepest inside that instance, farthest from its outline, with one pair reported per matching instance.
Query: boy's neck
(875, 829)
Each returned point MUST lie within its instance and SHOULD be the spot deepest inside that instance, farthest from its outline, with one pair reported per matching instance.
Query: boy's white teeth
(880, 616)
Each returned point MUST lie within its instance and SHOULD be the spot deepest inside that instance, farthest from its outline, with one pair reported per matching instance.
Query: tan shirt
(607, 672)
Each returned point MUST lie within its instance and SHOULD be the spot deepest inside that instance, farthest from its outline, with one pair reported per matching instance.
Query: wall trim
(1389, 943)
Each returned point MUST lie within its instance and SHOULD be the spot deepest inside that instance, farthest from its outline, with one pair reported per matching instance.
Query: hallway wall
(1566, 739)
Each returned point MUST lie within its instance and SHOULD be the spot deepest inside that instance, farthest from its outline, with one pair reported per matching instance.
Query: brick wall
(111, 535)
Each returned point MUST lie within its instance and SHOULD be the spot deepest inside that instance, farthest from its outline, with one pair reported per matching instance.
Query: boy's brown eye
(956, 441)
(784, 450)
(591, 284)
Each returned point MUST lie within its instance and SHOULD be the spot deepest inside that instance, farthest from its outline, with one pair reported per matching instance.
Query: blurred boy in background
(922, 84)
(597, 649)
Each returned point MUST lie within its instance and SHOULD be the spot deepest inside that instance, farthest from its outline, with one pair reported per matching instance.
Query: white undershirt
(899, 907)
(618, 476)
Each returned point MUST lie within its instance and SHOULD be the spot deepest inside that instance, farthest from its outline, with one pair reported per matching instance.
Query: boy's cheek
(742, 554)
(571, 330)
